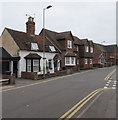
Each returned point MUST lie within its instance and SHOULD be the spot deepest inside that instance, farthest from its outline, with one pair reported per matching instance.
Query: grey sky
(93, 20)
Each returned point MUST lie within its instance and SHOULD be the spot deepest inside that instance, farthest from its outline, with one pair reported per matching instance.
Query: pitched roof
(62, 35)
(55, 37)
(84, 41)
(51, 36)
(70, 54)
(33, 55)
(106, 48)
(24, 40)
(77, 41)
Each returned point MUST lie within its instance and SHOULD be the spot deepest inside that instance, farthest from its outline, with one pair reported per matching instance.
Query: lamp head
(48, 7)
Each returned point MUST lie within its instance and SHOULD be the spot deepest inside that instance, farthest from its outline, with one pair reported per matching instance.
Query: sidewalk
(19, 82)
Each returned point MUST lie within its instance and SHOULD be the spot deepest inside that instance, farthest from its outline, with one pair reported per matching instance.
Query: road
(71, 96)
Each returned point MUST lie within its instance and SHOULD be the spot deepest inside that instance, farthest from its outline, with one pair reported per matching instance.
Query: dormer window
(52, 48)
(86, 49)
(69, 44)
(34, 46)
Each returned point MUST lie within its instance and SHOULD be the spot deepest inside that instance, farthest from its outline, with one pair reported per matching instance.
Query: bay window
(28, 65)
(70, 61)
(35, 65)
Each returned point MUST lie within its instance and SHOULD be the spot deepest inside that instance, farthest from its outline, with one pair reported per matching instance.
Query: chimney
(30, 26)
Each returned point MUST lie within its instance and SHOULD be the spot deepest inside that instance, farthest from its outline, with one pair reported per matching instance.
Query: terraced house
(63, 52)
(106, 55)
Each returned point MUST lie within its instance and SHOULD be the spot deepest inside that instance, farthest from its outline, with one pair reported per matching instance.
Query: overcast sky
(93, 20)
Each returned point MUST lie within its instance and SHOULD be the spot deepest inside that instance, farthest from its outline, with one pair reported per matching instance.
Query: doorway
(15, 68)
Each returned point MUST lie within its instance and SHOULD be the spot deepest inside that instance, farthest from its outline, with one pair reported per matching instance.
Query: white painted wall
(22, 61)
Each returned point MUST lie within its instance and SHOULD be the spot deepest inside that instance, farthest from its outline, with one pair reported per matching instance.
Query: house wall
(9, 44)
(111, 60)
(22, 61)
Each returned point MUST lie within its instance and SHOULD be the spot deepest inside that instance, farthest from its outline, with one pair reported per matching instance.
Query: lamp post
(44, 39)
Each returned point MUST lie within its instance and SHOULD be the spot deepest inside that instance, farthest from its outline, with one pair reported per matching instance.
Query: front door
(55, 65)
(15, 68)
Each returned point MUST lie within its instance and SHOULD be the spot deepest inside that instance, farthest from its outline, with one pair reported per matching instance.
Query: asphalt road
(55, 97)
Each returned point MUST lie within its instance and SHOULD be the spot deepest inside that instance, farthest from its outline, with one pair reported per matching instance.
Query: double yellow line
(69, 114)
(110, 74)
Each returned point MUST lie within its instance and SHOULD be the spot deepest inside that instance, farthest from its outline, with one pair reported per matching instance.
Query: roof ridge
(15, 30)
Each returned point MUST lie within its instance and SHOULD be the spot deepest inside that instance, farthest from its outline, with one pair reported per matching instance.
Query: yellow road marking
(79, 105)
(110, 74)
(63, 116)
(76, 110)
(42, 82)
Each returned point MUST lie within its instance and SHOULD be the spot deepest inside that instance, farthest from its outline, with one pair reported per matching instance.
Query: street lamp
(44, 39)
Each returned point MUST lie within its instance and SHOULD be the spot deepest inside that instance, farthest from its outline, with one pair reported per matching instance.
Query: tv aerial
(31, 15)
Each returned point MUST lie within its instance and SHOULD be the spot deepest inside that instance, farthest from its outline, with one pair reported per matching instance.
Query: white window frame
(52, 48)
(67, 60)
(29, 65)
(86, 48)
(36, 65)
(34, 46)
(86, 61)
(91, 62)
(69, 43)
(91, 49)
(70, 61)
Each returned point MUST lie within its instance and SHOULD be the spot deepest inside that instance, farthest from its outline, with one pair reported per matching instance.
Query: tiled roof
(33, 55)
(62, 35)
(55, 37)
(24, 40)
(70, 54)
(106, 48)
(77, 41)
(51, 36)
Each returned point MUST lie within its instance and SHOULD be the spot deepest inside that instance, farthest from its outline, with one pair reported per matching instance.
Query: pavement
(55, 97)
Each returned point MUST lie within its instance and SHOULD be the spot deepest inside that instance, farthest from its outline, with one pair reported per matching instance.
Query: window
(70, 61)
(77, 48)
(86, 49)
(34, 46)
(91, 49)
(111, 56)
(52, 48)
(86, 61)
(69, 44)
(35, 65)
(67, 60)
(50, 63)
(28, 65)
(91, 61)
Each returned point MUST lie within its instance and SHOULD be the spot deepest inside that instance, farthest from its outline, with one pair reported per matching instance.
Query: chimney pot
(30, 26)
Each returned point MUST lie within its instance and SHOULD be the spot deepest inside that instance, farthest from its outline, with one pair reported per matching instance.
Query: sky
(93, 20)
